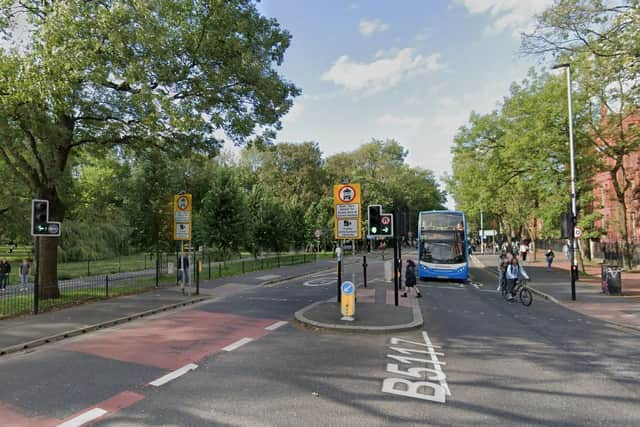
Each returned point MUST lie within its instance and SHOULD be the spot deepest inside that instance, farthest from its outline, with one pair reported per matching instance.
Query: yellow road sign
(347, 218)
(182, 217)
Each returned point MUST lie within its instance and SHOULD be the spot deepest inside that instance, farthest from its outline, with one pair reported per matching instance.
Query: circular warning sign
(347, 194)
(385, 220)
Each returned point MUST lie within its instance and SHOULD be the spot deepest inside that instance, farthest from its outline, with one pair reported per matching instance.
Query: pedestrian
(549, 255)
(524, 248)
(503, 263)
(514, 272)
(4, 275)
(5, 269)
(25, 268)
(184, 271)
(410, 279)
(565, 250)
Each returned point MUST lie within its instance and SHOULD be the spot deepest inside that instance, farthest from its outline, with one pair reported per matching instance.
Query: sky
(410, 70)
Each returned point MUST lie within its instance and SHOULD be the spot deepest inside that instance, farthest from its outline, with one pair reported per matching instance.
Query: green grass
(23, 303)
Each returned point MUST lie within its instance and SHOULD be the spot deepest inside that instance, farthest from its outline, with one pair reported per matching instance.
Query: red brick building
(605, 200)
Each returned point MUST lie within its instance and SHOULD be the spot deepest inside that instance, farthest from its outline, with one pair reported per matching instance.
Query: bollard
(364, 270)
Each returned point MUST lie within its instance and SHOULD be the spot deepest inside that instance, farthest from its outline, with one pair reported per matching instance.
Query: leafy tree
(223, 213)
(175, 74)
(601, 40)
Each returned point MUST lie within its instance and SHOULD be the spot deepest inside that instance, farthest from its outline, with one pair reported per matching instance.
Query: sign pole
(395, 270)
(36, 281)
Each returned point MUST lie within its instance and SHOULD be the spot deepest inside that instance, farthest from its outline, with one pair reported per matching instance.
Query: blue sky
(411, 70)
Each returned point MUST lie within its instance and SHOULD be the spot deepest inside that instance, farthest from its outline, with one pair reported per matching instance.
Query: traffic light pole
(36, 281)
(395, 270)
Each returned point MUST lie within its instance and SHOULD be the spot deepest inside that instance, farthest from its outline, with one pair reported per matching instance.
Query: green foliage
(223, 216)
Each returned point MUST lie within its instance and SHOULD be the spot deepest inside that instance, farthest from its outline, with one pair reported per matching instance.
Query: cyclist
(514, 272)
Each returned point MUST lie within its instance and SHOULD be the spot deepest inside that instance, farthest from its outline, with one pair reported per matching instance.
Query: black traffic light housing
(375, 213)
(40, 224)
(380, 224)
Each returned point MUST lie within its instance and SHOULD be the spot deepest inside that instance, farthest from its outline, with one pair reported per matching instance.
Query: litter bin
(611, 279)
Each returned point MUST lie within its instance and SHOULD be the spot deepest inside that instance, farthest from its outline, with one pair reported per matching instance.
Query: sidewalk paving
(29, 331)
(555, 285)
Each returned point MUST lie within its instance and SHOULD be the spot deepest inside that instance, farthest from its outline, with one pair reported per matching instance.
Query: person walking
(184, 271)
(410, 279)
(4, 275)
(25, 268)
(514, 272)
(549, 255)
(524, 248)
(503, 263)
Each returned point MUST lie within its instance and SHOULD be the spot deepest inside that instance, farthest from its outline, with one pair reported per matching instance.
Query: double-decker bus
(443, 250)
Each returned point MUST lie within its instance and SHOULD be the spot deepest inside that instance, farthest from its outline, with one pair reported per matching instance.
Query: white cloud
(387, 70)
(294, 113)
(367, 27)
(514, 15)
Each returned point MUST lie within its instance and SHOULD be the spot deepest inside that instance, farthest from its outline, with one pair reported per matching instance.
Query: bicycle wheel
(504, 292)
(526, 298)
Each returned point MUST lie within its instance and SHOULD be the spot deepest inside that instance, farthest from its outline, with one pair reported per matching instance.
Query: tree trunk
(48, 272)
(48, 269)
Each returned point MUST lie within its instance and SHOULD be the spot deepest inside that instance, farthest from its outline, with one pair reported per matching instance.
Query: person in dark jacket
(5, 269)
(410, 279)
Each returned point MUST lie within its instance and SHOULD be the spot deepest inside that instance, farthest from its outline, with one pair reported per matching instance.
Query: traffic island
(376, 318)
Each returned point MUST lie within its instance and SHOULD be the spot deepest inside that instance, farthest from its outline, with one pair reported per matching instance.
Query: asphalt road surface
(477, 361)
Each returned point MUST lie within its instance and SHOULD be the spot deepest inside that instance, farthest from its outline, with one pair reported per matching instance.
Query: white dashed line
(173, 375)
(276, 325)
(81, 419)
(237, 344)
(475, 286)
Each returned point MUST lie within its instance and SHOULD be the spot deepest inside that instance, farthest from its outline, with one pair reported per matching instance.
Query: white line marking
(475, 286)
(81, 419)
(173, 375)
(237, 344)
(436, 366)
(276, 325)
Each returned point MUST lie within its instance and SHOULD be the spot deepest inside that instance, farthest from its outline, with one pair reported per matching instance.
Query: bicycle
(520, 289)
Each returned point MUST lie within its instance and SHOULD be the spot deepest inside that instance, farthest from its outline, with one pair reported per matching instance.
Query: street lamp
(572, 161)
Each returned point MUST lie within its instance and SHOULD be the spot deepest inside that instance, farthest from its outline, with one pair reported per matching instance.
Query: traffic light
(40, 224)
(375, 212)
(39, 217)
(380, 224)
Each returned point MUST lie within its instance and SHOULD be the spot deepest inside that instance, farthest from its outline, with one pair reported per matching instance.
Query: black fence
(162, 271)
(605, 252)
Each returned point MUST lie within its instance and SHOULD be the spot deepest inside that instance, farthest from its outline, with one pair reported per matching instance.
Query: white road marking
(81, 419)
(173, 375)
(475, 286)
(237, 344)
(276, 325)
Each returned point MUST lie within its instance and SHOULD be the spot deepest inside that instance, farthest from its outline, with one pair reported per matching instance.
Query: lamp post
(574, 214)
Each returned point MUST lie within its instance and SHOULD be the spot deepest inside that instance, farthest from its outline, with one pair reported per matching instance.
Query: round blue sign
(347, 288)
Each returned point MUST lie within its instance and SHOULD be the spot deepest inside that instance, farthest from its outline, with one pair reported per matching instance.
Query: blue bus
(443, 250)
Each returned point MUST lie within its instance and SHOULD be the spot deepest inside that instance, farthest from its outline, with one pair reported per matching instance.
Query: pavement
(375, 305)
(376, 311)
(555, 285)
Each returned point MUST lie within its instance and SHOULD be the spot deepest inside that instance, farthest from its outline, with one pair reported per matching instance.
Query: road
(503, 364)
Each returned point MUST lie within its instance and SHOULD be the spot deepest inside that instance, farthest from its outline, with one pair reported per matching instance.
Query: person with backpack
(410, 279)
(549, 255)
(514, 272)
